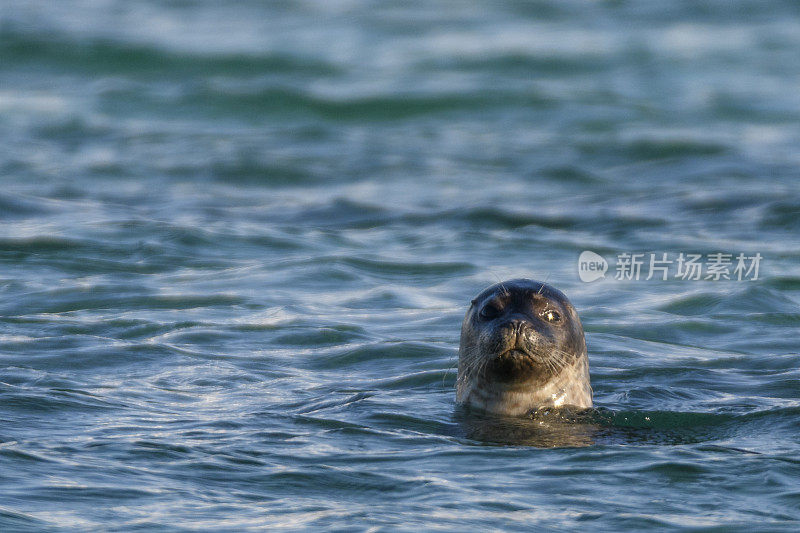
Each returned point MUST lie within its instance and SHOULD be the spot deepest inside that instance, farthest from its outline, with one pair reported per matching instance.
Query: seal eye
(489, 312)
(551, 316)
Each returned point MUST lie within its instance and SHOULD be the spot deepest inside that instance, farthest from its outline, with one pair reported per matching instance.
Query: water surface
(237, 242)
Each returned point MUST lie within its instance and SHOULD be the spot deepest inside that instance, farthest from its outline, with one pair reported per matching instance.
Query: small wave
(643, 150)
(320, 336)
(527, 64)
(286, 100)
(12, 205)
(54, 401)
(737, 302)
(379, 354)
(113, 297)
(782, 215)
(104, 56)
(12, 520)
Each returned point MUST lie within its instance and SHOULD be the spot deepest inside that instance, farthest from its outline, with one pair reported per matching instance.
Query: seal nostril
(516, 325)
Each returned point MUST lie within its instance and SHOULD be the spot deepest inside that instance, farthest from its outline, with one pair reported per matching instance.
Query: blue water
(237, 241)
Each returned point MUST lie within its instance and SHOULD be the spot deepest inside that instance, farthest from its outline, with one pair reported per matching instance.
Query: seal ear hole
(489, 312)
(550, 315)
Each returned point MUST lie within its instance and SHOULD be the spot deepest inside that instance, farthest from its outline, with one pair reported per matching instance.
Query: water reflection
(545, 428)
(570, 427)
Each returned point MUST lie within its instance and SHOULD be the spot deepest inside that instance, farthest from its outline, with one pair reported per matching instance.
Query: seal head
(522, 349)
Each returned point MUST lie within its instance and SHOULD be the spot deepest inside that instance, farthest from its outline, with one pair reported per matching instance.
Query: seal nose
(516, 329)
(515, 325)
(517, 322)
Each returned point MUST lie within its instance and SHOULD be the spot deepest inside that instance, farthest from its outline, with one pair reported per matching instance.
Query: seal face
(522, 348)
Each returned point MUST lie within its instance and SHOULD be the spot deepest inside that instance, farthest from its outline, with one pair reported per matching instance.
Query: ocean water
(237, 241)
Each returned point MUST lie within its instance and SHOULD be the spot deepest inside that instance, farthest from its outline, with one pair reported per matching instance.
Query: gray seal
(522, 349)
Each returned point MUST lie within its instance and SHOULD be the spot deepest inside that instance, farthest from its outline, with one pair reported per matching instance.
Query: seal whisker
(544, 283)
(451, 366)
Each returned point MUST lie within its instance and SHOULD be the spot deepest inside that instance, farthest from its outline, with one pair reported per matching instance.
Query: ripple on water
(236, 245)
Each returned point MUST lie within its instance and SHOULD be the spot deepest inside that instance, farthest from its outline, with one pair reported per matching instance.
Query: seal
(522, 349)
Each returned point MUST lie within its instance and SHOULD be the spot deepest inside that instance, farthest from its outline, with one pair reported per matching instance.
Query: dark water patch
(46, 244)
(72, 355)
(19, 206)
(351, 483)
(480, 429)
(250, 170)
(753, 299)
(327, 404)
(244, 461)
(693, 305)
(110, 297)
(494, 218)
(95, 493)
(278, 323)
(329, 424)
(347, 214)
(660, 419)
(644, 150)
(604, 427)
(95, 256)
(16, 454)
(378, 298)
(93, 264)
(210, 102)
(74, 131)
(776, 319)
(169, 241)
(781, 386)
(521, 64)
(678, 472)
(725, 105)
(159, 450)
(783, 283)
(483, 217)
(414, 269)
(686, 377)
(570, 174)
(782, 215)
(325, 336)
(741, 301)
(342, 212)
(55, 401)
(672, 336)
(726, 450)
(140, 329)
(486, 219)
(424, 379)
(11, 520)
(378, 354)
(66, 326)
(107, 57)
(411, 425)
